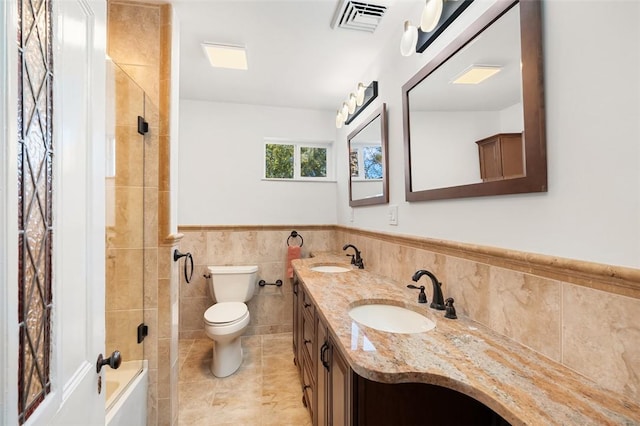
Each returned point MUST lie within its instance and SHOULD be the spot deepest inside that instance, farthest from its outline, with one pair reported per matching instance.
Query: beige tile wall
(580, 314)
(139, 37)
(591, 327)
(270, 307)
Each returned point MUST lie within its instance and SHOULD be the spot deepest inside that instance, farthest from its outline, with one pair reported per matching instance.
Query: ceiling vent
(360, 16)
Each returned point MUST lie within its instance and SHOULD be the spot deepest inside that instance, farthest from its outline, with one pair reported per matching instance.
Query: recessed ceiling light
(476, 74)
(226, 56)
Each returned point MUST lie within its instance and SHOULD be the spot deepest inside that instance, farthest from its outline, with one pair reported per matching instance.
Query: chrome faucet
(438, 300)
(356, 259)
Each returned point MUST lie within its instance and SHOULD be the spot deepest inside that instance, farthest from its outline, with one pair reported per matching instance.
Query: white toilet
(227, 319)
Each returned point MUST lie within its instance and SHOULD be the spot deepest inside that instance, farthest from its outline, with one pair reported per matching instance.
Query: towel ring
(294, 234)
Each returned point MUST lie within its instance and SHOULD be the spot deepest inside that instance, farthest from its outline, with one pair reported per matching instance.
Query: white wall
(221, 166)
(592, 209)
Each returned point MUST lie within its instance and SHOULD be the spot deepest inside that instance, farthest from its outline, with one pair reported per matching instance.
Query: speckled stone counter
(519, 384)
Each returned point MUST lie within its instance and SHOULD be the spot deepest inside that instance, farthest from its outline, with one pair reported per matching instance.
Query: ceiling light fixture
(431, 15)
(476, 74)
(356, 102)
(226, 56)
(409, 39)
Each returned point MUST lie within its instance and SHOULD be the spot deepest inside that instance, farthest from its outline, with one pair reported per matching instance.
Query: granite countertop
(521, 385)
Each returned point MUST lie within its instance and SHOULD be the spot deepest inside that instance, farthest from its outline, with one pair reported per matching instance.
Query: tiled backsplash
(581, 314)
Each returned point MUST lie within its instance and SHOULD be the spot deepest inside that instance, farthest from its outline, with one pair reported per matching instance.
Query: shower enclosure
(124, 284)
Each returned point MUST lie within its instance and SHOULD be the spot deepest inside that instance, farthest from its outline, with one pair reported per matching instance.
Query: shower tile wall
(270, 307)
(139, 37)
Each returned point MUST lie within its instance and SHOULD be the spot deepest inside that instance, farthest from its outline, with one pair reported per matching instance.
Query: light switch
(393, 214)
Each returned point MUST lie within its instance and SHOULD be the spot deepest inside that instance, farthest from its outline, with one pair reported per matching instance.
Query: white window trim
(298, 143)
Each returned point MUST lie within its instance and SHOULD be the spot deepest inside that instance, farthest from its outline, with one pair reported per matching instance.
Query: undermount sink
(330, 268)
(391, 318)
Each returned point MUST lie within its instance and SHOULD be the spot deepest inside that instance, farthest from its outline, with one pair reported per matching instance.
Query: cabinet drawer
(308, 334)
(307, 390)
(307, 305)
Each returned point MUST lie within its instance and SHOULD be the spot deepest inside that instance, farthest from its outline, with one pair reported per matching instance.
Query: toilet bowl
(228, 318)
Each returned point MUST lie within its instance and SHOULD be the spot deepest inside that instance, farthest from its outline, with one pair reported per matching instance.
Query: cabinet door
(490, 162)
(297, 324)
(340, 388)
(322, 375)
(512, 155)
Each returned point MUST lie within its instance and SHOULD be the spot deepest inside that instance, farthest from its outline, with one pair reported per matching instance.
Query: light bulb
(352, 103)
(344, 110)
(431, 15)
(360, 94)
(409, 39)
(339, 119)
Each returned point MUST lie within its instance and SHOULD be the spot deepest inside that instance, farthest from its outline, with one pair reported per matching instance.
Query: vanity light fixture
(357, 101)
(431, 15)
(476, 74)
(226, 56)
(436, 16)
(409, 39)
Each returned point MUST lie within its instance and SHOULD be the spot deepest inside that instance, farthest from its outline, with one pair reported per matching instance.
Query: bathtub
(127, 395)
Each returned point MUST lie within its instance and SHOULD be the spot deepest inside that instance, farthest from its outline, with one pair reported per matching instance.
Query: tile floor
(264, 391)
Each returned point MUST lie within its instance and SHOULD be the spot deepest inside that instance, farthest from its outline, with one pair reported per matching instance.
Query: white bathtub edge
(131, 408)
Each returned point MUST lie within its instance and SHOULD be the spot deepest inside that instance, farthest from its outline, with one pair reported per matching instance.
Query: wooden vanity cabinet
(304, 344)
(336, 396)
(501, 156)
(334, 382)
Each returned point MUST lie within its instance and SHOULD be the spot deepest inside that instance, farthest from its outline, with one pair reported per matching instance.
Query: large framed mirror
(465, 136)
(368, 163)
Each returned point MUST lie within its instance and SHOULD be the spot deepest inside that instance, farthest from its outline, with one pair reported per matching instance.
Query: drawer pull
(323, 351)
(307, 341)
(306, 305)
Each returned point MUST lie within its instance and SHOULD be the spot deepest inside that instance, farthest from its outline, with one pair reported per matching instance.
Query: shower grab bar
(177, 255)
(262, 283)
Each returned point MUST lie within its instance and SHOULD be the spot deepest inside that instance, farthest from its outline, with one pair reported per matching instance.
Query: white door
(79, 37)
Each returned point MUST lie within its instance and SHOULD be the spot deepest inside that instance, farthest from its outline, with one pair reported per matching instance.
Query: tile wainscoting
(580, 314)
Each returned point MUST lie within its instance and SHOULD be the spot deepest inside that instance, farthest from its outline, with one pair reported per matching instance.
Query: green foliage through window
(296, 161)
(313, 162)
(279, 161)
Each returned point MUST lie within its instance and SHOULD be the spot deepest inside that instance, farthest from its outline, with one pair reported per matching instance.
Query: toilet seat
(226, 313)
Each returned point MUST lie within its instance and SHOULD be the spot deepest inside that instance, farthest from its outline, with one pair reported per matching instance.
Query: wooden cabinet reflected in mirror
(467, 137)
(368, 165)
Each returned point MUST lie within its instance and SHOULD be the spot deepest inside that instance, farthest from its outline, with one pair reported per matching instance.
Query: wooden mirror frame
(381, 112)
(535, 179)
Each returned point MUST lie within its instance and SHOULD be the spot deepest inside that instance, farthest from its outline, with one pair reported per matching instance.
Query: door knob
(113, 361)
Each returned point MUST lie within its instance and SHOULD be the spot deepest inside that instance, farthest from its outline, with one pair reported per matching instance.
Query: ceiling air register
(360, 16)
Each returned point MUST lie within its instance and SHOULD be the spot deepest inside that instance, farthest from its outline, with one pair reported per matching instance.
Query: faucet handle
(353, 258)
(450, 310)
(422, 296)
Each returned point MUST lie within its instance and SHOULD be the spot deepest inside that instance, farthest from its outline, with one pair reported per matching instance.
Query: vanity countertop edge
(518, 383)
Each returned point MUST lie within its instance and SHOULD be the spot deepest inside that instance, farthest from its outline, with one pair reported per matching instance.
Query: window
(35, 189)
(297, 161)
(366, 162)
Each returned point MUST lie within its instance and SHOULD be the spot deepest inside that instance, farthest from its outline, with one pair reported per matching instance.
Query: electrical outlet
(393, 215)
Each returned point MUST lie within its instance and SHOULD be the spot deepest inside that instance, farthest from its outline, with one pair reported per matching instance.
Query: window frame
(297, 146)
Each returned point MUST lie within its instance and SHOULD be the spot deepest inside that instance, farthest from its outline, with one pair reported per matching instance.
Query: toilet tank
(232, 283)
